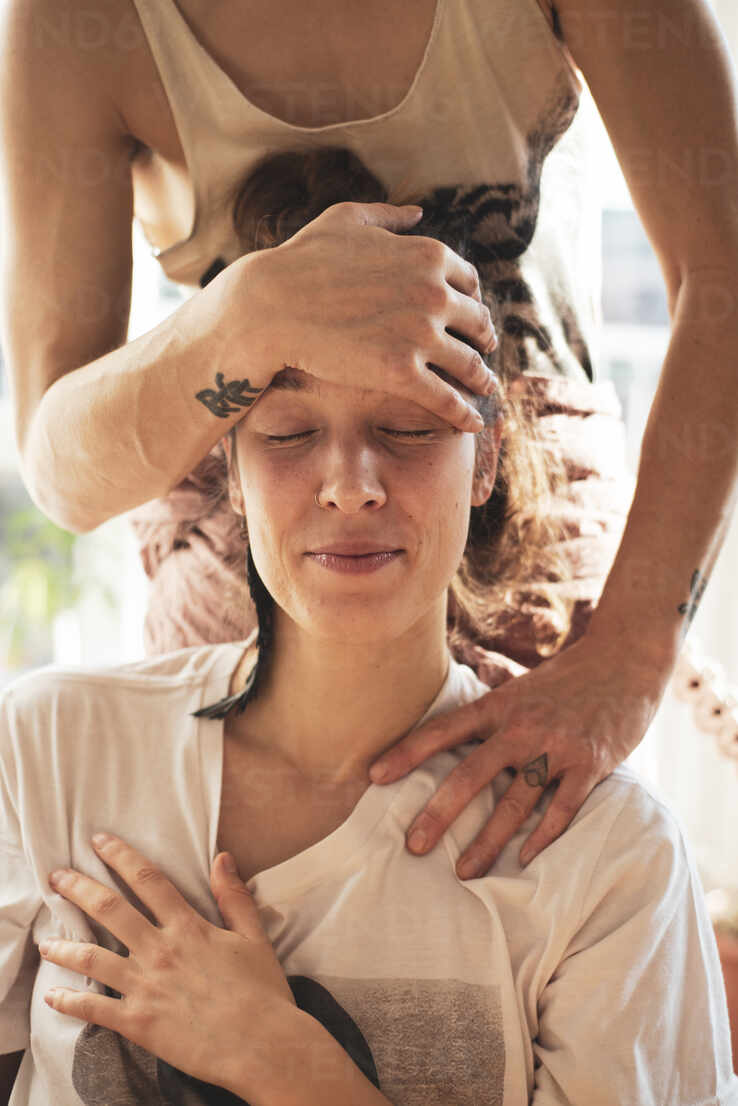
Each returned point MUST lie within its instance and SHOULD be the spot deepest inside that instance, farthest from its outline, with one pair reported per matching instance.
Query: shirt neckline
(276, 122)
(329, 855)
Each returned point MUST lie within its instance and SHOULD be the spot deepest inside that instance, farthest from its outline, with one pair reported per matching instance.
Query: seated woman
(589, 977)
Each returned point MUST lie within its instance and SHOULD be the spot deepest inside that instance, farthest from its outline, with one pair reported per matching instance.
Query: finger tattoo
(229, 397)
(536, 773)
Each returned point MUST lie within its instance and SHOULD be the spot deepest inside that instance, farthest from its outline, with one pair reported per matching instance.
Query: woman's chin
(353, 621)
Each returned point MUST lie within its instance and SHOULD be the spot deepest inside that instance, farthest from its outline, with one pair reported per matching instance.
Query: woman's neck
(330, 708)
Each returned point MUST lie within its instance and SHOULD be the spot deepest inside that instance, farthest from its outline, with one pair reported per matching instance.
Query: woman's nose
(351, 481)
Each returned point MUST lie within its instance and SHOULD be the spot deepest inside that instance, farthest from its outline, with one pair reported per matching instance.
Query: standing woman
(157, 108)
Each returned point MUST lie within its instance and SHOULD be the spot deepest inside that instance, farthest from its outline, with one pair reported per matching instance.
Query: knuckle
(450, 405)
(433, 818)
(141, 1019)
(84, 1008)
(435, 296)
(513, 807)
(401, 374)
(192, 925)
(402, 353)
(164, 958)
(432, 251)
(106, 903)
(465, 778)
(148, 873)
(476, 363)
(243, 891)
(424, 332)
(88, 958)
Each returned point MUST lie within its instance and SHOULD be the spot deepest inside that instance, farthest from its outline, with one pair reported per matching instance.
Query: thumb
(235, 901)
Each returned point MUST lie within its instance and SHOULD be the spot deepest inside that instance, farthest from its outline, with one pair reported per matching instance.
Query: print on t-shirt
(450, 1030)
(109, 1070)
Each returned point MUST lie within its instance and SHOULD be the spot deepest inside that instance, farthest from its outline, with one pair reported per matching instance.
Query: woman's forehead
(292, 382)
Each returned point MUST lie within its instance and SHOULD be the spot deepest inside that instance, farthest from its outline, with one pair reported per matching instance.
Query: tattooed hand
(572, 719)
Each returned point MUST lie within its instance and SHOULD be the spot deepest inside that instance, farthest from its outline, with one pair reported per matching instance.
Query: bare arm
(9, 1064)
(306, 1066)
(669, 105)
(101, 426)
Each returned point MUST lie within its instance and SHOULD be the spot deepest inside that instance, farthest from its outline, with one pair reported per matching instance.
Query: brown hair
(510, 555)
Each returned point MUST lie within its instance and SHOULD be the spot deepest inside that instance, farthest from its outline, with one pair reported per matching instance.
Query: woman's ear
(235, 492)
(489, 446)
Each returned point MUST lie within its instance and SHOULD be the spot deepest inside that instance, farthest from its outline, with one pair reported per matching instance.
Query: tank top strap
(194, 84)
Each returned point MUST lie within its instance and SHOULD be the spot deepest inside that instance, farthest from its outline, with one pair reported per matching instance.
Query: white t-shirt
(590, 977)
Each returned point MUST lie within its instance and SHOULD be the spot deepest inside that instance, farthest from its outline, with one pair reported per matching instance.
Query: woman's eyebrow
(294, 380)
(287, 380)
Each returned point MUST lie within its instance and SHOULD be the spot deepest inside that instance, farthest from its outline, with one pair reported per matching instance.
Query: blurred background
(77, 600)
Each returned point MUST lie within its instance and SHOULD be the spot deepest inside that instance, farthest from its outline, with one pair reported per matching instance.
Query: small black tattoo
(696, 588)
(220, 402)
(536, 773)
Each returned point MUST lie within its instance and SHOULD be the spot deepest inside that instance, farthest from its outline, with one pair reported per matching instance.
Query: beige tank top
(484, 116)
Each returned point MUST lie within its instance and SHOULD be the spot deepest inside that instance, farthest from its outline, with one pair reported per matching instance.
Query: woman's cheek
(277, 472)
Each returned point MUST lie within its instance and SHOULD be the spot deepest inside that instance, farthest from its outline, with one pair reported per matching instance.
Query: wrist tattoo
(696, 588)
(229, 397)
(536, 773)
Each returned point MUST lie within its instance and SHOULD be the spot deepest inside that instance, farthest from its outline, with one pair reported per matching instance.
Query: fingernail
(467, 867)
(99, 840)
(525, 857)
(378, 772)
(417, 841)
(58, 877)
(229, 864)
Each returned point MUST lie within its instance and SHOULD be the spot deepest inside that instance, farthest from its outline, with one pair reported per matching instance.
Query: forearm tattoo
(536, 773)
(229, 397)
(696, 588)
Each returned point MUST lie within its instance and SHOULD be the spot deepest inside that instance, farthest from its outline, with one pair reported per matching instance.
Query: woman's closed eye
(384, 429)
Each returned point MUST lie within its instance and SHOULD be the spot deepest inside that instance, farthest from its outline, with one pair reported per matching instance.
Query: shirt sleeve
(19, 900)
(636, 1011)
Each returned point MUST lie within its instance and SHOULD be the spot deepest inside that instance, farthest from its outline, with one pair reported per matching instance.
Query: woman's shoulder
(177, 666)
(51, 699)
(641, 819)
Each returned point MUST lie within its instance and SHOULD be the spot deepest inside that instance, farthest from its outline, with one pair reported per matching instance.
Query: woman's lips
(366, 562)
